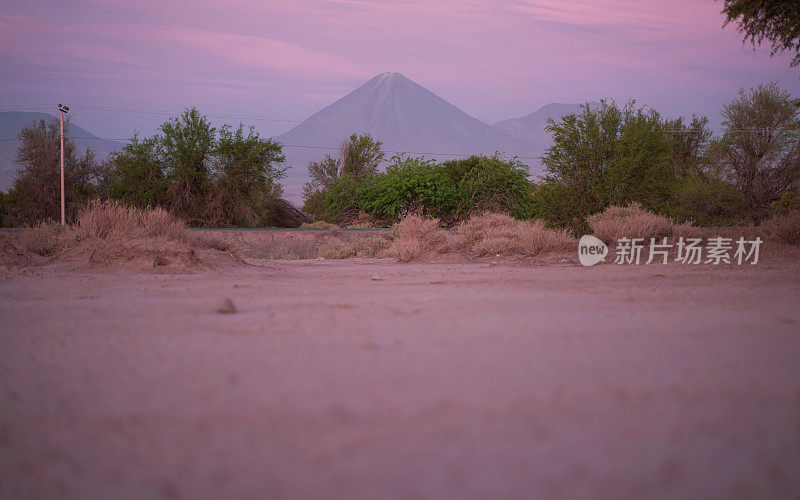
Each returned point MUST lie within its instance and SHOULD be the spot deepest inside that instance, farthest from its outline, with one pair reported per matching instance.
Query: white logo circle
(591, 250)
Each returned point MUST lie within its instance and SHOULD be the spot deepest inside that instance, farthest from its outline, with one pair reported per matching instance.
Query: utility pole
(62, 109)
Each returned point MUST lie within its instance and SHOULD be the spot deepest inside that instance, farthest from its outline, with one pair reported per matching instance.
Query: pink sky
(287, 59)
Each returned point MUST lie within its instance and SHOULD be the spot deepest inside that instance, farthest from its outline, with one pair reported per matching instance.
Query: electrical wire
(77, 107)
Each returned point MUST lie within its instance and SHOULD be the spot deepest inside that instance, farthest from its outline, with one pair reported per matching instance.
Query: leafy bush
(342, 201)
(555, 204)
(487, 183)
(137, 177)
(410, 185)
(450, 191)
(788, 204)
(707, 201)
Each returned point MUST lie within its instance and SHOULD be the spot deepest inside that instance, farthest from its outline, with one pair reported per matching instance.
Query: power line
(292, 120)
(317, 147)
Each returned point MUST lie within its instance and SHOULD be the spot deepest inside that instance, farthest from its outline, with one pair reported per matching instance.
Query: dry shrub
(782, 229)
(632, 221)
(320, 224)
(205, 240)
(335, 248)
(363, 221)
(373, 246)
(11, 255)
(109, 233)
(415, 235)
(110, 219)
(46, 238)
(158, 253)
(496, 233)
(283, 246)
(686, 230)
(405, 250)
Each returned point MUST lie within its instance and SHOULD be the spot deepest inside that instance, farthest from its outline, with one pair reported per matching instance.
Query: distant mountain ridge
(12, 122)
(531, 128)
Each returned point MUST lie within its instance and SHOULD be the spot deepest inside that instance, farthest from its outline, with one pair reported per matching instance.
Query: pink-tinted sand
(434, 381)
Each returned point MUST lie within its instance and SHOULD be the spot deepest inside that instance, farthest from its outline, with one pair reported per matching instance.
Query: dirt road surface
(370, 379)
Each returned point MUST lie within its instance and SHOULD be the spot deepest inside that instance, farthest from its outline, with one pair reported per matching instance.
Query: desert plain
(367, 378)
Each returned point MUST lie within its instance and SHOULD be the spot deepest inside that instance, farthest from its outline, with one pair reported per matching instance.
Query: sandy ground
(433, 381)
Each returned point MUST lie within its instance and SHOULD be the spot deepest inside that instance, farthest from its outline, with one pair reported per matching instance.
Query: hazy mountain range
(405, 116)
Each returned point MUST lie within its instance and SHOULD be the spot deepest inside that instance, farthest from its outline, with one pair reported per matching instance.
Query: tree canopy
(774, 21)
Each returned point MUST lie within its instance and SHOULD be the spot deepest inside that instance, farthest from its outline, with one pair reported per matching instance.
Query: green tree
(360, 156)
(136, 176)
(687, 144)
(776, 21)
(186, 147)
(35, 194)
(760, 147)
(205, 176)
(323, 175)
(707, 201)
(788, 204)
(601, 157)
(246, 172)
(358, 161)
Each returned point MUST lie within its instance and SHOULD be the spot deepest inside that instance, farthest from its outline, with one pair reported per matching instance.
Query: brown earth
(370, 379)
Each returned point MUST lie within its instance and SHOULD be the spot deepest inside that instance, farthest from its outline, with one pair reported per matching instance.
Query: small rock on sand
(375, 277)
(226, 306)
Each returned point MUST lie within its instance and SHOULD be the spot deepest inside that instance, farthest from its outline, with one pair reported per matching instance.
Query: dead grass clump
(282, 247)
(46, 239)
(782, 229)
(12, 256)
(335, 248)
(157, 253)
(632, 221)
(110, 219)
(501, 234)
(686, 230)
(415, 235)
(320, 224)
(364, 221)
(108, 233)
(373, 246)
(205, 240)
